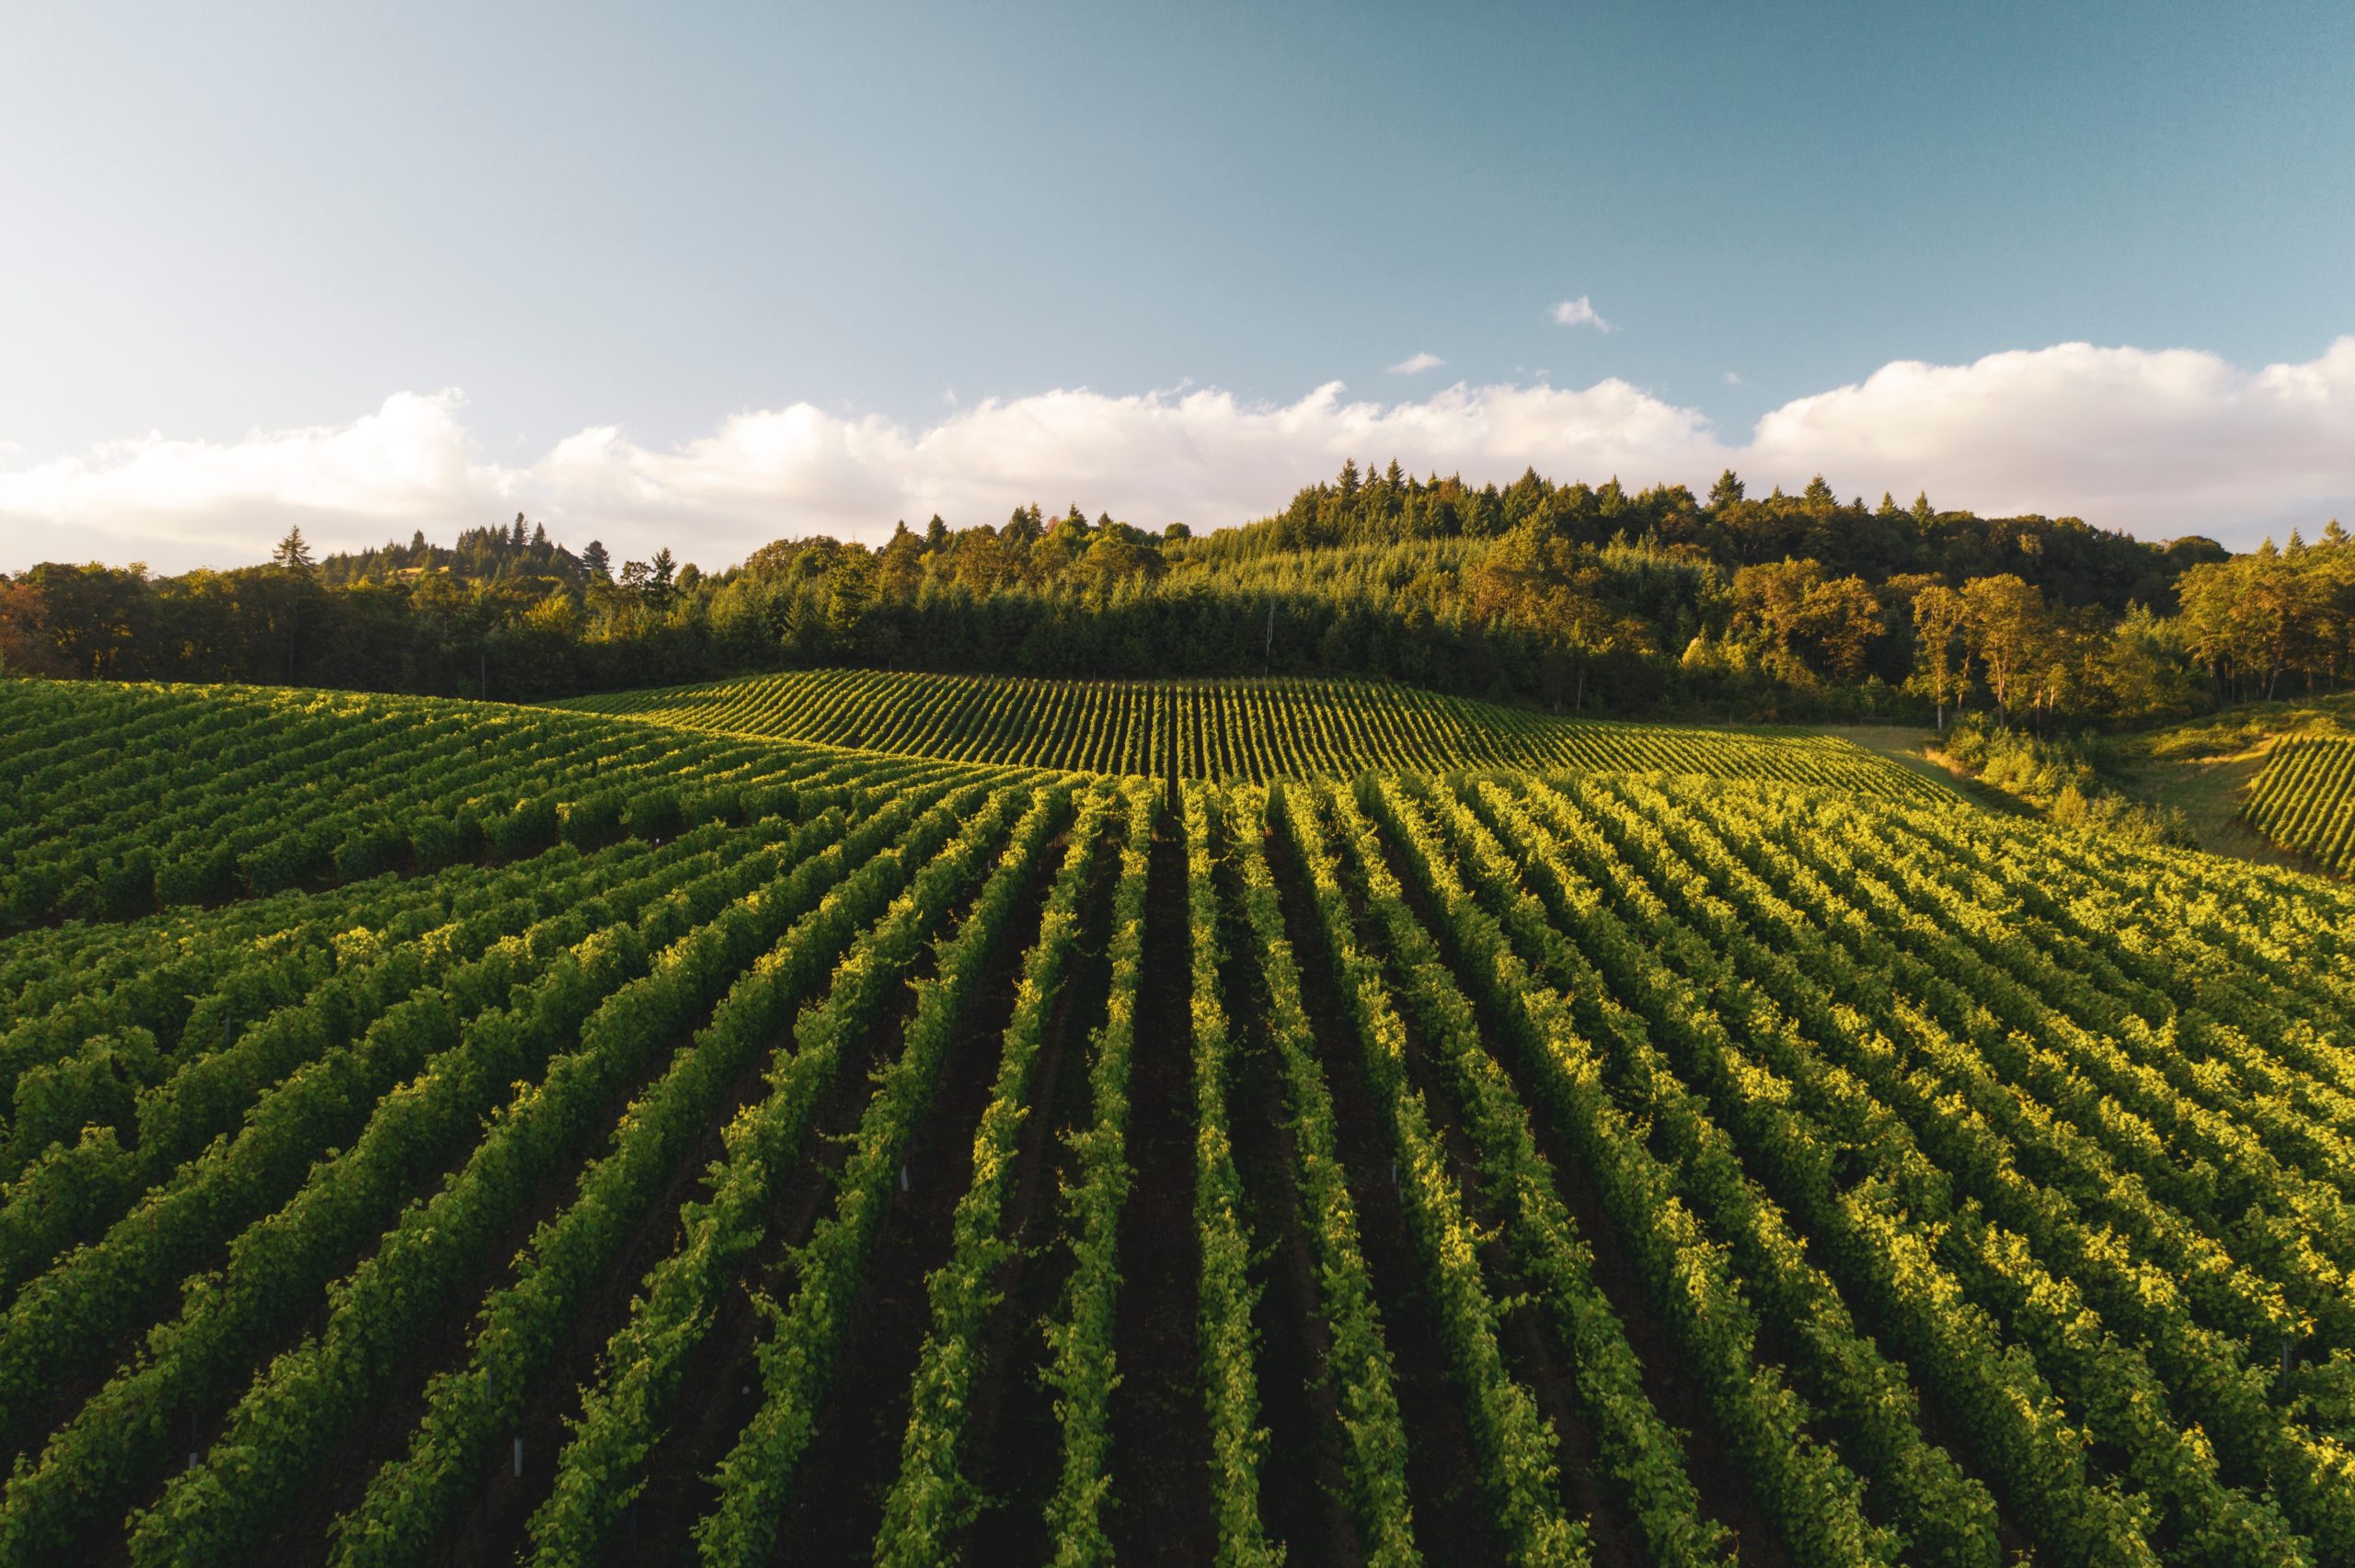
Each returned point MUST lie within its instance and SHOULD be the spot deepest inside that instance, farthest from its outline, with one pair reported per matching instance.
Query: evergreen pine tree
(293, 552)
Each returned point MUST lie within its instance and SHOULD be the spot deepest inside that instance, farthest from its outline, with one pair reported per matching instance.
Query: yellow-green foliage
(1973, 1188)
(2305, 800)
(1228, 730)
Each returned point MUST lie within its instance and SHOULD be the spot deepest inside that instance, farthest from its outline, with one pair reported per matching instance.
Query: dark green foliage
(656, 814)
(95, 1086)
(595, 820)
(1571, 596)
(530, 826)
(377, 848)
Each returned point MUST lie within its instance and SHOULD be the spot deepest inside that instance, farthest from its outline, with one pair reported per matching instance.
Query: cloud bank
(2158, 443)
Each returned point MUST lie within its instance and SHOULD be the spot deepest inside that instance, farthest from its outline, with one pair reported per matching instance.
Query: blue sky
(752, 268)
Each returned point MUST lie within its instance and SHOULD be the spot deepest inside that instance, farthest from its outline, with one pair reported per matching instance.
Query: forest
(1570, 597)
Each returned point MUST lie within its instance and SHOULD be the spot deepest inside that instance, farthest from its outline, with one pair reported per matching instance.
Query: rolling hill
(449, 1131)
(1252, 730)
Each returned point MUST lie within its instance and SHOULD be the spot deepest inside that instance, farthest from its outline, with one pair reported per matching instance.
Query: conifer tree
(293, 552)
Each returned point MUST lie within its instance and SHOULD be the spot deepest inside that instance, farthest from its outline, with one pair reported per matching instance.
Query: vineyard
(449, 1132)
(1225, 730)
(2305, 800)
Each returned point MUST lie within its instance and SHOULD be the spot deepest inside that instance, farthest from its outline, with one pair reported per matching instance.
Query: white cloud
(1733, 378)
(184, 501)
(2158, 443)
(1414, 365)
(2164, 442)
(1202, 456)
(1579, 313)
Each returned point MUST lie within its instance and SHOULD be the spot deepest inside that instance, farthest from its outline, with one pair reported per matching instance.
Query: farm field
(2303, 799)
(449, 1132)
(1250, 730)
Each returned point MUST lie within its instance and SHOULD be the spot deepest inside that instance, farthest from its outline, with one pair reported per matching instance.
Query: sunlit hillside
(1252, 730)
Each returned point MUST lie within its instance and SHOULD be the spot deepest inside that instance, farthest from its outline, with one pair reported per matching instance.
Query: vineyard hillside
(1222, 730)
(2219, 774)
(2303, 799)
(446, 1132)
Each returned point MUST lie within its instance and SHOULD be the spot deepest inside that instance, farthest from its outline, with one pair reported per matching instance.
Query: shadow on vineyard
(1162, 1460)
(1014, 1426)
(1716, 1473)
(492, 1133)
(854, 1447)
(1441, 1472)
(1306, 1485)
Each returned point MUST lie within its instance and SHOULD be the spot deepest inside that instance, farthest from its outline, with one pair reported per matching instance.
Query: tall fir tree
(293, 552)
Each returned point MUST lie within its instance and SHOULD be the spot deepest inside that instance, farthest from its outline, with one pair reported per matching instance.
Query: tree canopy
(1571, 595)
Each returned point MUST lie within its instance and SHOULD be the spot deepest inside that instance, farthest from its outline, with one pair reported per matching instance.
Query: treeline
(2071, 562)
(1571, 596)
(502, 613)
(490, 553)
